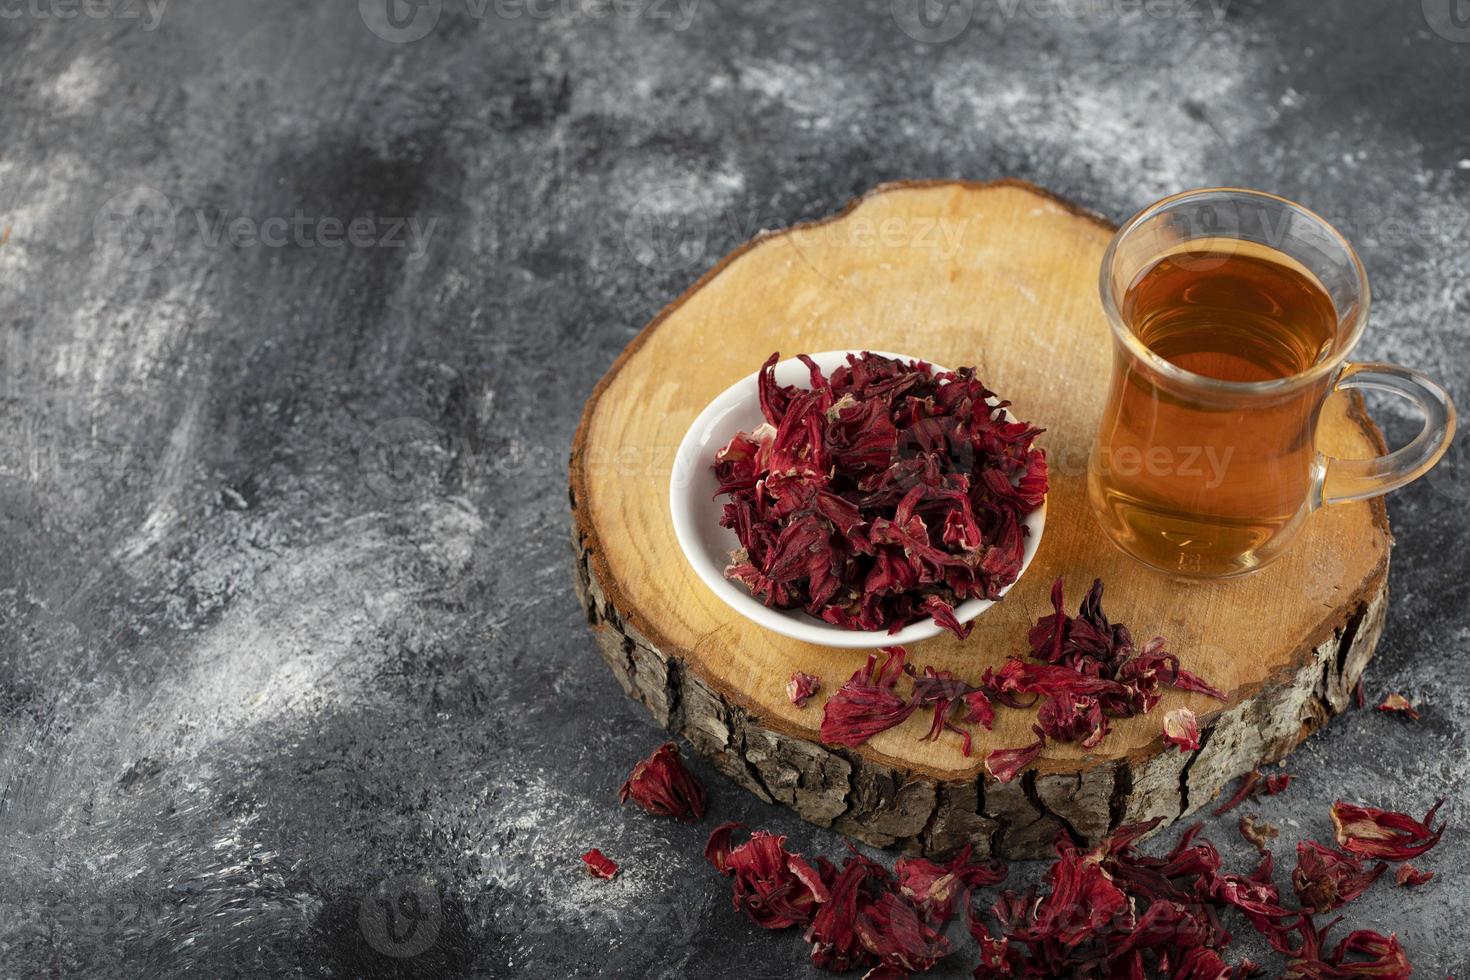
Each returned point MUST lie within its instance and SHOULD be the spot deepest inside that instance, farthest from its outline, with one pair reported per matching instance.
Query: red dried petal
(663, 787)
(1369, 832)
(1181, 728)
(801, 687)
(979, 710)
(1398, 704)
(1004, 764)
(1185, 681)
(1048, 637)
(866, 704)
(1326, 879)
(599, 865)
(717, 847)
(1410, 876)
(775, 888)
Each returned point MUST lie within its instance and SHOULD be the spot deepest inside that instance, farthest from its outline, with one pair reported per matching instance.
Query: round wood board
(1002, 276)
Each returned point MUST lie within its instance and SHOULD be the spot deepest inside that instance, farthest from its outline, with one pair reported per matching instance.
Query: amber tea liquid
(1199, 487)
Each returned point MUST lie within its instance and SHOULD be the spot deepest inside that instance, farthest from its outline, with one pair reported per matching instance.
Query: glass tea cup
(1233, 314)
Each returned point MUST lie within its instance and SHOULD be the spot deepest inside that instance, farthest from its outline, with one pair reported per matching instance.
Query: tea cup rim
(1130, 340)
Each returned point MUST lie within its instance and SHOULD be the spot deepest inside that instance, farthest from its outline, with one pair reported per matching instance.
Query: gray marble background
(300, 306)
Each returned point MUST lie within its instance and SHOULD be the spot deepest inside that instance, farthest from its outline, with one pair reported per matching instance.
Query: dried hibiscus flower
(775, 888)
(1090, 671)
(866, 704)
(661, 785)
(599, 865)
(801, 687)
(1362, 954)
(1369, 832)
(868, 923)
(1326, 879)
(934, 888)
(1181, 728)
(1410, 876)
(882, 494)
(1398, 704)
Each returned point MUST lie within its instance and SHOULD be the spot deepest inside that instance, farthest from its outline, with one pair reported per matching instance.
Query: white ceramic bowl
(707, 545)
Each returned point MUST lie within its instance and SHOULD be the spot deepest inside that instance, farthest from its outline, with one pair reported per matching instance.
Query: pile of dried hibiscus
(881, 495)
(1089, 671)
(1111, 913)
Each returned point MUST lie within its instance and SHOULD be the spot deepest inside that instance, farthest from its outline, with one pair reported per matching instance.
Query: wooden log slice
(1002, 276)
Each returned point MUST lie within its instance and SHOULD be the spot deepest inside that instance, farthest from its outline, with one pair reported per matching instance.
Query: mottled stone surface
(287, 631)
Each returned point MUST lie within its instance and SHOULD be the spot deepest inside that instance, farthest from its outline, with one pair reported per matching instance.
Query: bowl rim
(802, 626)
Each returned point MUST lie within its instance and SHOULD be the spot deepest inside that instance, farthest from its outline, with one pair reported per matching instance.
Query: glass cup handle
(1359, 479)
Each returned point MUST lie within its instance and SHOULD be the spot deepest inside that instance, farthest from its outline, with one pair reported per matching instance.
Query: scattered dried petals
(1245, 790)
(1326, 879)
(1181, 728)
(599, 865)
(663, 787)
(1256, 783)
(1398, 704)
(866, 704)
(1373, 833)
(801, 687)
(1410, 876)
